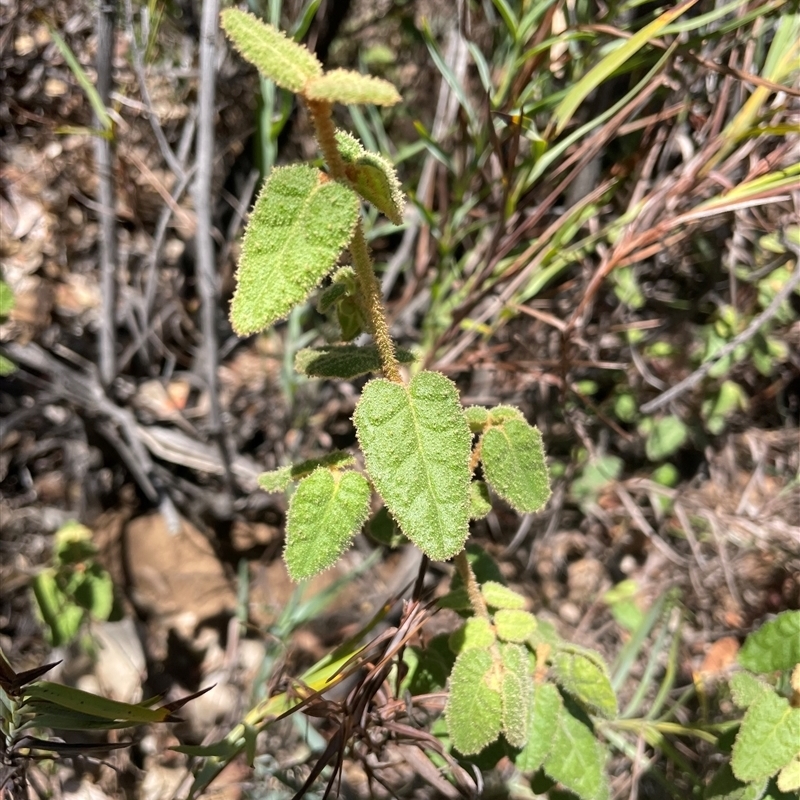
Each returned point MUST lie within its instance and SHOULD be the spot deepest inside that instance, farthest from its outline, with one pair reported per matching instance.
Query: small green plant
(74, 588)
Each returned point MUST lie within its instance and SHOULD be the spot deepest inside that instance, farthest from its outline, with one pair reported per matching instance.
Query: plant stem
(471, 582)
(371, 300)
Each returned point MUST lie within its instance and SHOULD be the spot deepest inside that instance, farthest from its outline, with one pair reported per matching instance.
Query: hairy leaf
(279, 479)
(775, 645)
(280, 59)
(514, 625)
(497, 595)
(577, 759)
(300, 224)
(479, 502)
(345, 361)
(746, 688)
(768, 738)
(372, 176)
(584, 676)
(325, 513)
(475, 632)
(351, 88)
(516, 693)
(416, 447)
(474, 706)
(477, 418)
(514, 464)
(543, 714)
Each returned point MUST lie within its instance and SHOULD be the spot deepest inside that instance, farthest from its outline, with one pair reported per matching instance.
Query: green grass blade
(611, 63)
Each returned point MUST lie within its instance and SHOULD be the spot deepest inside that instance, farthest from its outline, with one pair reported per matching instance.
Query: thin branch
(206, 260)
(105, 195)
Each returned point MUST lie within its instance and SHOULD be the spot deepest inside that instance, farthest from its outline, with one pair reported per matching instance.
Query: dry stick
(105, 195)
(748, 333)
(206, 264)
(138, 65)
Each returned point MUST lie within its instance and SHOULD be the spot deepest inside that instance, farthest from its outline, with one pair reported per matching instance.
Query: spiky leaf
(474, 710)
(300, 224)
(514, 464)
(280, 59)
(543, 714)
(416, 447)
(775, 645)
(584, 675)
(768, 740)
(325, 513)
(345, 361)
(351, 88)
(516, 693)
(577, 759)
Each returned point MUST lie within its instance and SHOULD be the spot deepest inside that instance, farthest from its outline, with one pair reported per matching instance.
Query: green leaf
(768, 739)
(283, 61)
(384, 530)
(497, 595)
(61, 616)
(514, 464)
(95, 592)
(325, 513)
(474, 709)
(514, 625)
(597, 473)
(345, 361)
(516, 693)
(746, 688)
(351, 88)
(6, 299)
(477, 418)
(300, 224)
(7, 367)
(543, 715)
(667, 435)
(577, 759)
(500, 414)
(279, 479)
(789, 776)
(372, 176)
(432, 667)
(480, 503)
(584, 675)
(330, 296)
(775, 645)
(611, 63)
(724, 786)
(476, 632)
(416, 447)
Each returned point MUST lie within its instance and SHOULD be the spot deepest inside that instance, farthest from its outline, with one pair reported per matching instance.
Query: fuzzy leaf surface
(497, 595)
(514, 464)
(480, 503)
(343, 361)
(351, 88)
(775, 645)
(474, 710)
(585, 677)
(746, 688)
(768, 739)
(516, 693)
(543, 714)
(416, 447)
(277, 480)
(514, 625)
(577, 759)
(372, 176)
(475, 632)
(325, 513)
(283, 61)
(300, 224)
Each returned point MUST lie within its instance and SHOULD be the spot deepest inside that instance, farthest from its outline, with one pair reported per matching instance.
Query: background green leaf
(775, 645)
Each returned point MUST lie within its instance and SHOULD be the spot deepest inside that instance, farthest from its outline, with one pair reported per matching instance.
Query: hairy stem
(471, 582)
(371, 300)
